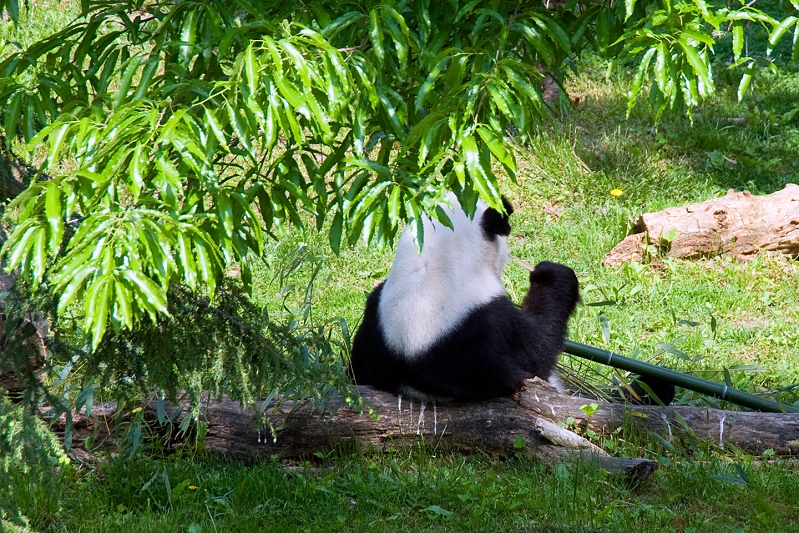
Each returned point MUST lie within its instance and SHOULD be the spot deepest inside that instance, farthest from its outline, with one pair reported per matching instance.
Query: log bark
(21, 341)
(754, 432)
(739, 224)
(492, 426)
(15, 175)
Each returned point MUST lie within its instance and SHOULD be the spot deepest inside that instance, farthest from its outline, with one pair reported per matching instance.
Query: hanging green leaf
(55, 215)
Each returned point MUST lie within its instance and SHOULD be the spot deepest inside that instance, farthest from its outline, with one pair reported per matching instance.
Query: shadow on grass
(730, 144)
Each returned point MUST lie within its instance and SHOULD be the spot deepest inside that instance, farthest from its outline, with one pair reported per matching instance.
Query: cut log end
(738, 224)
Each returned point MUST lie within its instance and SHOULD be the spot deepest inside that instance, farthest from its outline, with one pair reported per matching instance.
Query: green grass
(423, 491)
(41, 20)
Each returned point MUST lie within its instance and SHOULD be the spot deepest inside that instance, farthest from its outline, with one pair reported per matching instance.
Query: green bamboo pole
(685, 381)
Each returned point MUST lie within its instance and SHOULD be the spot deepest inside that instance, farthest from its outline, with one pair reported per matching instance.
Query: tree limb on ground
(739, 224)
(527, 423)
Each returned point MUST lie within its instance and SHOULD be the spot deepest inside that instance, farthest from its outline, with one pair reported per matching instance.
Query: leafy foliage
(228, 345)
(28, 454)
(199, 128)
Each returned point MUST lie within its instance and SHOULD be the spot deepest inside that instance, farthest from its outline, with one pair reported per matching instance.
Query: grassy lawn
(424, 491)
(721, 313)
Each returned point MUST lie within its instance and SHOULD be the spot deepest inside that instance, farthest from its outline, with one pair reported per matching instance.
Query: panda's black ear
(495, 223)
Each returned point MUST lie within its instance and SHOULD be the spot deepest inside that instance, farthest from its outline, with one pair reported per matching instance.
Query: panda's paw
(547, 272)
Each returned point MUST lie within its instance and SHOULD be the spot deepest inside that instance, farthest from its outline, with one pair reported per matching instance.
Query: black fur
(495, 223)
(638, 395)
(488, 355)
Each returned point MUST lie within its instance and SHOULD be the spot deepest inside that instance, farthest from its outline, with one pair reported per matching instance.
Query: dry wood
(751, 431)
(492, 426)
(739, 224)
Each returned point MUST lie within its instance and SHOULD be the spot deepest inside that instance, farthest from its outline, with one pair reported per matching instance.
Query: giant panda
(441, 325)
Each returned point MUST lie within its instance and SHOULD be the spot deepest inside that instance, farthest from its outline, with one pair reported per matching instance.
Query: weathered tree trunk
(493, 426)
(738, 223)
(22, 345)
(15, 176)
(751, 431)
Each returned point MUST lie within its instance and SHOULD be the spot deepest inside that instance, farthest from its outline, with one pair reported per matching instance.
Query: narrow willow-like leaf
(400, 37)
(480, 172)
(707, 15)
(795, 48)
(97, 298)
(638, 79)
(737, 41)
(555, 32)
(123, 310)
(186, 257)
(376, 35)
(629, 7)
(29, 119)
(334, 237)
(778, 32)
(440, 61)
(11, 118)
(360, 207)
(698, 36)
(73, 286)
(15, 248)
(251, 68)
(699, 66)
(205, 261)
(147, 289)
(497, 147)
(146, 78)
(395, 205)
(38, 257)
(125, 81)
(138, 170)
(746, 79)
(663, 67)
(55, 215)
(56, 140)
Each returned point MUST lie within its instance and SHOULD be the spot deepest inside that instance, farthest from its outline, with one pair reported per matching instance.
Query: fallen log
(739, 224)
(498, 427)
(527, 423)
(754, 432)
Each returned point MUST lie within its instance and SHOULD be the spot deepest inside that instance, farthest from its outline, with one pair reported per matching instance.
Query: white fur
(557, 382)
(428, 295)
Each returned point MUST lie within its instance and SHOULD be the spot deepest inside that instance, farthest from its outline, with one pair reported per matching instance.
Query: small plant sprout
(589, 409)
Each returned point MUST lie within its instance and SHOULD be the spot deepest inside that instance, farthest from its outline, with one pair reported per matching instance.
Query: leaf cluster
(29, 452)
(199, 128)
(673, 42)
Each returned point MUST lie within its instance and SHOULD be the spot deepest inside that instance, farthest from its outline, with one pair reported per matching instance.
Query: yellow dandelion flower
(193, 487)
(134, 411)
(616, 192)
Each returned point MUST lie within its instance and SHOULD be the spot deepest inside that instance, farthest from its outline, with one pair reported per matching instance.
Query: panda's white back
(426, 296)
